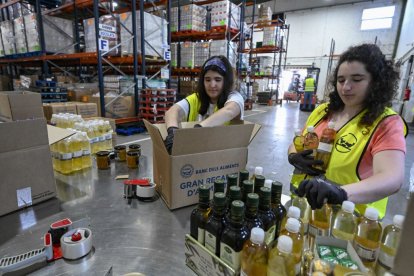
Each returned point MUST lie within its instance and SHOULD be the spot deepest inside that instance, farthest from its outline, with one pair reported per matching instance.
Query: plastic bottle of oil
(247, 189)
(319, 223)
(215, 224)
(86, 151)
(389, 245)
(298, 140)
(293, 212)
(292, 230)
(325, 146)
(254, 254)
(311, 140)
(259, 182)
(305, 211)
(199, 215)
(108, 135)
(345, 223)
(368, 237)
(92, 137)
(235, 234)
(76, 148)
(55, 155)
(266, 215)
(65, 156)
(281, 262)
(276, 205)
(251, 215)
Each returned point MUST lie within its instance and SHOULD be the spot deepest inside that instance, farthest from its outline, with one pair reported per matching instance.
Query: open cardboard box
(20, 105)
(199, 157)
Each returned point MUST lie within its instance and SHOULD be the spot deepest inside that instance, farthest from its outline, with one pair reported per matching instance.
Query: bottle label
(86, 152)
(65, 156)
(94, 140)
(101, 138)
(77, 154)
(325, 147)
(229, 256)
(108, 136)
(315, 231)
(210, 242)
(386, 260)
(270, 235)
(366, 254)
(200, 237)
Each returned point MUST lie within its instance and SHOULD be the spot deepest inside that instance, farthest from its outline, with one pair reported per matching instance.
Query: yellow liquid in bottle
(319, 223)
(280, 264)
(304, 207)
(344, 226)
(388, 249)
(86, 152)
(297, 248)
(254, 259)
(367, 241)
(76, 148)
(65, 156)
(298, 142)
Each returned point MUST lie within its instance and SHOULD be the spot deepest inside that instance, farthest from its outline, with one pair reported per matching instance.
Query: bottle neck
(277, 198)
(203, 205)
(219, 211)
(251, 212)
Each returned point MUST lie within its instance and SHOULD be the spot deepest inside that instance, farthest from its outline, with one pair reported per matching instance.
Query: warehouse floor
(145, 236)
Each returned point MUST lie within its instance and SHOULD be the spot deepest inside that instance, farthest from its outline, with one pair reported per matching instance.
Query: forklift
(314, 73)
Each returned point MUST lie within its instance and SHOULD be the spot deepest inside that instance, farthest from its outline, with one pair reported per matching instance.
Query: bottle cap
(219, 199)
(371, 213)
(243, 175)
(234, 193)
(292, 225)
(204, 192)
(264, 198)
(232, 179)
(311, 129)
(298, 132)
(331, 124)
(258, 170)
(252, 200)
(247, 186)
(237, 208)
(268, 183)
(276, 188)
(348, 206)
(284, 244)
(293, 212)
(257, 235)
(219, 186)
(398, 221)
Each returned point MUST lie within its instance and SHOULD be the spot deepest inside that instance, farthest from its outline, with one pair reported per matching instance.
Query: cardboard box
(26, 176)
(87, 110)
(199, 156)
(5, 84)
(54, 108)
(22, 105)
(119, 107)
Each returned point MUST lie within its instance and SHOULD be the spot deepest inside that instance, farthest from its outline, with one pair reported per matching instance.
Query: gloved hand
(319, 190)
(303, 162)
(197, 125)
(169, 140)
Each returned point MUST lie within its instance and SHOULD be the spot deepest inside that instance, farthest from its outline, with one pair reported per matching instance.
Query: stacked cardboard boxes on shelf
(187, 54)
(192, 18)
(269, 36)
(219, 47)
(6, 28)
(174, 58)
(86, 110)
(201, 53)
(220, 12)
(109, 31)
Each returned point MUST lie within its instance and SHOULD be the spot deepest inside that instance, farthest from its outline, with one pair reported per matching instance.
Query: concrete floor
(145, 236)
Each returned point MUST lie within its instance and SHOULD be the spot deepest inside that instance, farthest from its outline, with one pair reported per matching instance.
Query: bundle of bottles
(248, 228)
(73, 154)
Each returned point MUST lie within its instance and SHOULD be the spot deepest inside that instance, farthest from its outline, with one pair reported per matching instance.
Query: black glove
(303, 162)
(197, 125)
(169, 140)
(319, 190)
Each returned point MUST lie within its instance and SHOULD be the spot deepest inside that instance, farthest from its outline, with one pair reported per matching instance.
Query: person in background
(368, 155)
(214, 103)
(310, 88)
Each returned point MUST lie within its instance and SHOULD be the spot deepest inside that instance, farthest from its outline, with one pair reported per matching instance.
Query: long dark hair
(381, 89)
(227, 86)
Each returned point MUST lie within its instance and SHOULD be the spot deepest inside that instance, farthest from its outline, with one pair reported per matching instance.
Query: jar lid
(132, 153)
(102, 153)
(120, 147)
(134, 146)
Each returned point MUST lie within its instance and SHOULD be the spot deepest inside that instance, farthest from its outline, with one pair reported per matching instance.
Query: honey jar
(102, 160)
(135, 147)
(120, 152)
(132, 159)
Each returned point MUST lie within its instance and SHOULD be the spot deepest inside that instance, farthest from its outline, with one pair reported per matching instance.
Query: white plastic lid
(292, 225)
(398, 221)
(311, 129)
(258, 171)
(331, 124)
(371, 213)
(268, 183)
(348, 206)
(257, 235)
(284, 244)
(293, 212)
(298, 132)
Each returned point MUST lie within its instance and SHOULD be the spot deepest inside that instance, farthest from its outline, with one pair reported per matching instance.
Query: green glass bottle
(219, 186)
(215, 224)
(231, 181)
(252, 212)
(234, 235)
(266, 215)
(247, 189)
(199, 215)
(259, 182)
(234, 194)
(276, 204)
(243, 175)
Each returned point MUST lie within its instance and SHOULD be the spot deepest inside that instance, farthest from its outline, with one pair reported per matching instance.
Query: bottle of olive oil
(219, 186)
(259, 182)
(266, 215)
(247, 189)
(231, 181)
(368, 237)
(233, 194)
(234, 236)
(281, 262)
(293, 212)
(276, 205)
(200, 214)
(251, 214)
(319, 223)
(215, 224)
(389, 245)
(292, 230)
(254, 254)
(345, 223)
(243, 175)
(302, 204)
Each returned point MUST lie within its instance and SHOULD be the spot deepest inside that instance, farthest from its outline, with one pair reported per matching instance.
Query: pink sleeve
(389, 135)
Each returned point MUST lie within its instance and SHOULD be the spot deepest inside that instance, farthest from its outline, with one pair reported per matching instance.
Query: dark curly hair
(383, 85)
(228, 76)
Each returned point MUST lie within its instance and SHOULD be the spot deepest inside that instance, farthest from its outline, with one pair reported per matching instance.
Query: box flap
(196, 140)
(55, 134)
(5, 110)
(156, 135)
(23, 105)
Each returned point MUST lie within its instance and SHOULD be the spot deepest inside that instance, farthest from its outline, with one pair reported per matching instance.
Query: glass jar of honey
(135, 147)
(102, 160)
(120, 152)
(132, 159)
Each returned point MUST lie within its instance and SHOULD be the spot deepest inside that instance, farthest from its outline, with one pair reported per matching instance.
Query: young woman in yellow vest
(368, 156)
(214, 103)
